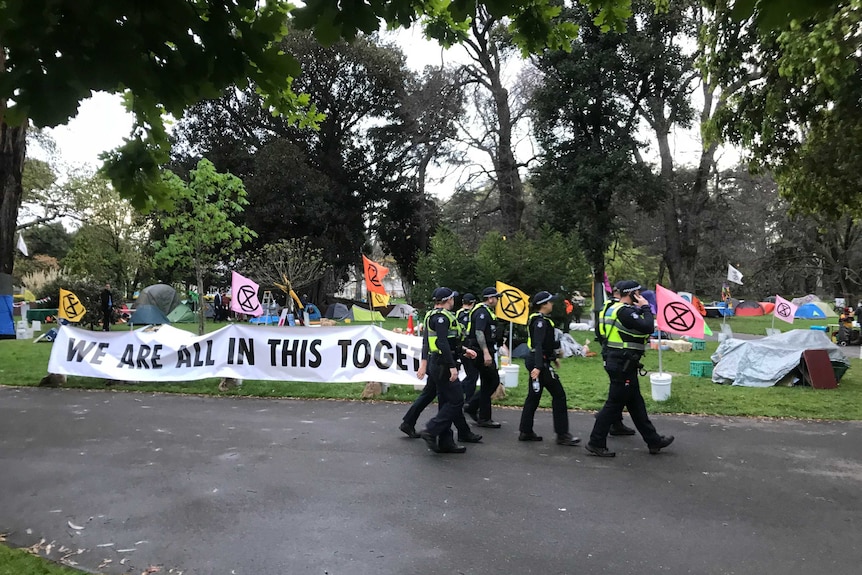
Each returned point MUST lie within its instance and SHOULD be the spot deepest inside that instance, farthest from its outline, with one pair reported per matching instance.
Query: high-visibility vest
(615, 335)
(469, 332)
(530, 328)
(453, 333)
(464, 317)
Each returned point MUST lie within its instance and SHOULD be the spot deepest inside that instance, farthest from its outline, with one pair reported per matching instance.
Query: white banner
(323, 354)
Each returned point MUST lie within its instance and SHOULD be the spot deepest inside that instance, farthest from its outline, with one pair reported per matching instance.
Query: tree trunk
(13, 146)
(505, 166)
(199, 274)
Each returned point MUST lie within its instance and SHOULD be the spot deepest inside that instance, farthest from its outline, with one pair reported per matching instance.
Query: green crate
(700, 368)
(698, 345)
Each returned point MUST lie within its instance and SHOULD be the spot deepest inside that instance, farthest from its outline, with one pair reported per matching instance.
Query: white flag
(734, 275)
(22, 247)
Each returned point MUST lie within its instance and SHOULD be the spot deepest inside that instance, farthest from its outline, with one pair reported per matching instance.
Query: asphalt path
(251, 486)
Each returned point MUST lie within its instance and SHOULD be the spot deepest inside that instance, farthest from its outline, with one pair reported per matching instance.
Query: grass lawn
(19, 562)
(23, 363)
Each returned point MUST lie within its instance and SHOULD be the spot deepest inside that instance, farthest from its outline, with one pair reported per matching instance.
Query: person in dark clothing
(408, 425)
(544, 350)
(441, 345)
(625, 327)
(218, 307)
(107, 305)
(468, 384)
(482, 337)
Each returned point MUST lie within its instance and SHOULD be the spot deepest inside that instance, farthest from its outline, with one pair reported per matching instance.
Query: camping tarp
(749, 308)
(337, 311)
(763, 362)
(814, 310)
(182, 314)
(148, 314)
(162, 296)
(521, 351)
(401, 310)
(362, 314)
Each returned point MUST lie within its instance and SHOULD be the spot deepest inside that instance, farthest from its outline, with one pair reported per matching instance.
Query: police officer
(625, 326)
(468, 384)
(618, 427)
(441, 346)
(408, 425)
(544, 349)
(482, 334)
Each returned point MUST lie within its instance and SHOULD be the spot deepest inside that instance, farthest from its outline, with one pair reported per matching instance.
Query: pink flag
(676, 315)
(784, 310)
(244, 292)
(607, 283)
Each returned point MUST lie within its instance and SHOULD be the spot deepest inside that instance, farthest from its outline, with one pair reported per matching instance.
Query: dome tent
(162, 296)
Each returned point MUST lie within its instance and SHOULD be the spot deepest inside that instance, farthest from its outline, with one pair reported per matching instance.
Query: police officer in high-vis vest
(618, 427)
(544, 350)
(625, 328)
(408, 425)
(468, 384)
(441, 345)
(482, 336)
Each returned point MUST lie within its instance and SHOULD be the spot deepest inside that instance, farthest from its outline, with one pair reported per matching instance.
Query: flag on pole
(734, 275)
(513, 305)
(22, 247)
(378, 299)
(374, 273)
(70, 307)
(244, 292)
(677, 315)
(784, 310)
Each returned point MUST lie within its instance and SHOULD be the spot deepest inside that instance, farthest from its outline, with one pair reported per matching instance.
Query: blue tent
(809, 310)
(148, 314)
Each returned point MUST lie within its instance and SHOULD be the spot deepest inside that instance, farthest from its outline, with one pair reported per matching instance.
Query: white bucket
(660, 386)
(509, 375)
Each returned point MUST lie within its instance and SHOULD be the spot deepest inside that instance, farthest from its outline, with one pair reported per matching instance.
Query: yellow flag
(513, 304)
(379, 299)
(70, 307)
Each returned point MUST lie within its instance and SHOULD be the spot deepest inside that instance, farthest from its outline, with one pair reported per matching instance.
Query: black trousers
(480, 403)
(450, 400)
(548, 379)
(624, 392)
(424, 400)
(468, 384)
(106, 320)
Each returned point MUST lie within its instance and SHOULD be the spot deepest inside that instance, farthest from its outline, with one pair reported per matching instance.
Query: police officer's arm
(481, 323)
(423, 363)
(637, 319)
(540, 328)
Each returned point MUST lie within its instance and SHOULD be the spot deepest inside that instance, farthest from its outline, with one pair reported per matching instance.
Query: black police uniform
(429, 392)
(468, 384)
(482, 320)
(450, 397)
(622, 366)
(542, 353)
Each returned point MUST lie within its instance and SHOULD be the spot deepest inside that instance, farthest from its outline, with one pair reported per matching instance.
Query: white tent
(402, 310)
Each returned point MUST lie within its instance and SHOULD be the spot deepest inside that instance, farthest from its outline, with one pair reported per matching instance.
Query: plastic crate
(697, 344)
(700, 368)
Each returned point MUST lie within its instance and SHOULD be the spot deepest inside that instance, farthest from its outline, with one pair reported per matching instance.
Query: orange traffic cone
(409, 325)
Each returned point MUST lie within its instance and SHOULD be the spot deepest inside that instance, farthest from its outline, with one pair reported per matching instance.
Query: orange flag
(374, 275)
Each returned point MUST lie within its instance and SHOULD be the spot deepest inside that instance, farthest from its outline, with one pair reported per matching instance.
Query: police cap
(490, 292)
(468, 298)
(626, 287)
(543, 297)
(443, 293)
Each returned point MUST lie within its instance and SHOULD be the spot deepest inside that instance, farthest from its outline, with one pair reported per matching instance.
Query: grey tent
(182, 314)
(162, 296)
(401, 310)
(148, 315)
(338, 311)
(521, 351)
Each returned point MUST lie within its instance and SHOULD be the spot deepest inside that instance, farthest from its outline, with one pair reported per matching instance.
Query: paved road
(244, 486)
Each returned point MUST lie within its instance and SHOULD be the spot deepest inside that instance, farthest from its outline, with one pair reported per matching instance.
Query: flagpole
(511, 329)
(660, 370)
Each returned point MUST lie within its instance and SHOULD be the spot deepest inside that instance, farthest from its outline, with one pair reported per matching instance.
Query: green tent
(182, 314)
(362, 314)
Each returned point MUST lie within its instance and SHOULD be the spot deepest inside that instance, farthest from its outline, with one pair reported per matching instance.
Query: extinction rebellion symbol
(512, 304)
(783, 310)
(70, 305)
(679, 316)
(246, 298)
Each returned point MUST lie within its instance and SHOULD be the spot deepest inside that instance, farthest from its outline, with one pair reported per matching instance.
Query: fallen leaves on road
(75, 527)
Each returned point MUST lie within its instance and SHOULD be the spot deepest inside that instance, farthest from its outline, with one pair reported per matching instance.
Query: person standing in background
(107, 303)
